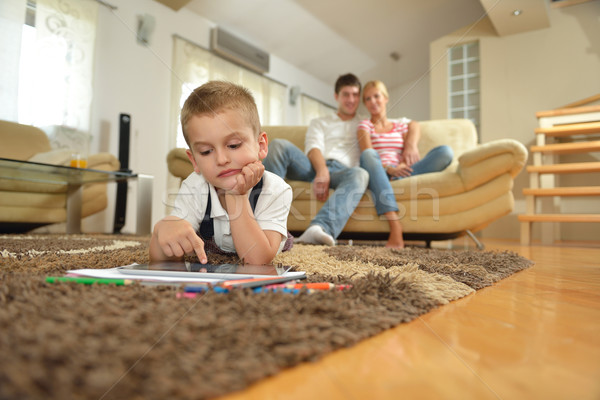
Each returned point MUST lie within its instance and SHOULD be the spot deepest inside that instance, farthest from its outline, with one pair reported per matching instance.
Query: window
(50, 75)
(193, 66)
(463, 79)
(312, 108)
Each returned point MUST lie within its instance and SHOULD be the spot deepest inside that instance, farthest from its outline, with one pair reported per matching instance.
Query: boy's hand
(173, 238)
(248, 178)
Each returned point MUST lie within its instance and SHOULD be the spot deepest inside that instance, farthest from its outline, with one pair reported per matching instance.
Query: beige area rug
(72, 341)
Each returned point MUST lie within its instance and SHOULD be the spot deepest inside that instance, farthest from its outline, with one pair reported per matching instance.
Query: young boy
(221, 127)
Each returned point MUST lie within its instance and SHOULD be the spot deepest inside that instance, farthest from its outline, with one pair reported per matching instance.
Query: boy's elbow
(258, 259)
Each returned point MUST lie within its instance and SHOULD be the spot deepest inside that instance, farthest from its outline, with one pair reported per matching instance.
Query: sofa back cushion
(293, 133)
(460, 134)
(21, 142)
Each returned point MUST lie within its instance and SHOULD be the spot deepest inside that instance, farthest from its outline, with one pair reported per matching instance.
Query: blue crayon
(276, 290)
(201, 289)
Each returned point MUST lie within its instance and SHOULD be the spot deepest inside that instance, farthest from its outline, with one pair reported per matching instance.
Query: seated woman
(389, 151)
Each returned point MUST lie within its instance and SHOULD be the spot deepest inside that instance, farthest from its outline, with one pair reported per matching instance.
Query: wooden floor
(534, 335)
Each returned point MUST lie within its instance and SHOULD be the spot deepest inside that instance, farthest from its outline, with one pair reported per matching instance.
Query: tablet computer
(197, 270)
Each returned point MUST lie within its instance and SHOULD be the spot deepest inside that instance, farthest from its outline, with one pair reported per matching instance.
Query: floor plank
(535, 334)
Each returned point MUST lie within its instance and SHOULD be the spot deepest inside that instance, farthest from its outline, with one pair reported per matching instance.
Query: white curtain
(193, 66)
(311, 109)
(12, 18)
(54, 62)
(66, 34)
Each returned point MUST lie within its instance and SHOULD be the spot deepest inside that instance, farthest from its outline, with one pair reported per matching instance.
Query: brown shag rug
(73, 341)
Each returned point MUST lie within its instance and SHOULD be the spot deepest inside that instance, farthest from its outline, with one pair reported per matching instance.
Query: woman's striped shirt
(390, 144)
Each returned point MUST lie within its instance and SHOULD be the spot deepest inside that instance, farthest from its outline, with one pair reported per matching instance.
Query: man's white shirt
(335, 138)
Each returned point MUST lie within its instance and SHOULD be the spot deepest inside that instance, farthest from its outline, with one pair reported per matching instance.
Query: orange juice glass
(77, 161)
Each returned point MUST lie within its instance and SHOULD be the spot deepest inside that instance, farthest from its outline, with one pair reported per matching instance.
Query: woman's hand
(410, 155)
(400, 170)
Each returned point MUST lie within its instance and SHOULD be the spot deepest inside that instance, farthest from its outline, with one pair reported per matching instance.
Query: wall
(135, 79)
(520, 75)
(410, 99)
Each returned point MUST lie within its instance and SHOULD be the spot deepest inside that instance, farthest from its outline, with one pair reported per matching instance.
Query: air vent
(239, 51)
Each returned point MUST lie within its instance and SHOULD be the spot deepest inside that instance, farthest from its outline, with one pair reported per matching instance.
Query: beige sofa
(471, 193)
(26, 205)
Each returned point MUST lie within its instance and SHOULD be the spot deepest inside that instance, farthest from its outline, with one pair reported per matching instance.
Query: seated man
(330, 159)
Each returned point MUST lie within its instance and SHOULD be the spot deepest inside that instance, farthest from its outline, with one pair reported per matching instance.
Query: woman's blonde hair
(377, 85)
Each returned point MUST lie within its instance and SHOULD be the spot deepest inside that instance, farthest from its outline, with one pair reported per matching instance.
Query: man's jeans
(287, 161)
(379, 181)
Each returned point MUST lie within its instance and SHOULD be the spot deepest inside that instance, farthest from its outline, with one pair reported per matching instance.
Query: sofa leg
(479, 245)
(525, 233)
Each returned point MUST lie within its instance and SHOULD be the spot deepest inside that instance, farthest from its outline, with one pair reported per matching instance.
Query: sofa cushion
(49, 207)
(55, 157)
(294, 134)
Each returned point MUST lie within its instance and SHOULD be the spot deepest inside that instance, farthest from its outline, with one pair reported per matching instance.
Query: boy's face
(222, 145)
(348, 100)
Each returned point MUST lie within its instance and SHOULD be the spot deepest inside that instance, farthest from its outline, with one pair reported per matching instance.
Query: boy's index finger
(198, 245)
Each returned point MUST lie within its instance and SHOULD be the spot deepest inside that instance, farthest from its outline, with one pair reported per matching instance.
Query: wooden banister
(583, 102)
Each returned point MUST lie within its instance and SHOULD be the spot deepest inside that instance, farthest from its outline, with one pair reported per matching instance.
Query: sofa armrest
(179, 164)
(104, 162)
(489, 160)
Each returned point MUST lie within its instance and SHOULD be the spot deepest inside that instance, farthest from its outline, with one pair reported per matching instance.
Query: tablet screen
(204, 270)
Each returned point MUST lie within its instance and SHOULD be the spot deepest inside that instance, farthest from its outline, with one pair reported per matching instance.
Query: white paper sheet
(114, 273)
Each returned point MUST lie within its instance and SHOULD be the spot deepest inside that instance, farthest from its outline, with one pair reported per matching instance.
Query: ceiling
(375, 39)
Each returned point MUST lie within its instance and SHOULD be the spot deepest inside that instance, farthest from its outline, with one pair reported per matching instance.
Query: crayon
(312, 285)
(187, 295)
(254, 282)
(107, 281)
(205, 288)
(278, 290)
(198, 291)
(89, 281)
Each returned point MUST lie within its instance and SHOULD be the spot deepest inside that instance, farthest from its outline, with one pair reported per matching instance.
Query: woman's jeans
(287, 161)
(379, 181)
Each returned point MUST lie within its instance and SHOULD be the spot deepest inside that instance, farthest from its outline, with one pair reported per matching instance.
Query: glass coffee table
(74, 179)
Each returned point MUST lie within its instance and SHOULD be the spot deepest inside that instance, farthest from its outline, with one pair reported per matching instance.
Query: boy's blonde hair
(377, 85)
(215, 97)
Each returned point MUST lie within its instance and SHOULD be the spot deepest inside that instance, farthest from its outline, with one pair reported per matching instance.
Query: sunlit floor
(534, 335)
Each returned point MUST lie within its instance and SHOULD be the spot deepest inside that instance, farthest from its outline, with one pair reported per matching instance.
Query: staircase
(576, 123)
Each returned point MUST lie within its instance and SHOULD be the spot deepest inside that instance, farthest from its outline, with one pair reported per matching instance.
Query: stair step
(567, 111)
(564, 191)
(570, 129)
(559, 217)
(568, 148)
(569, 168)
